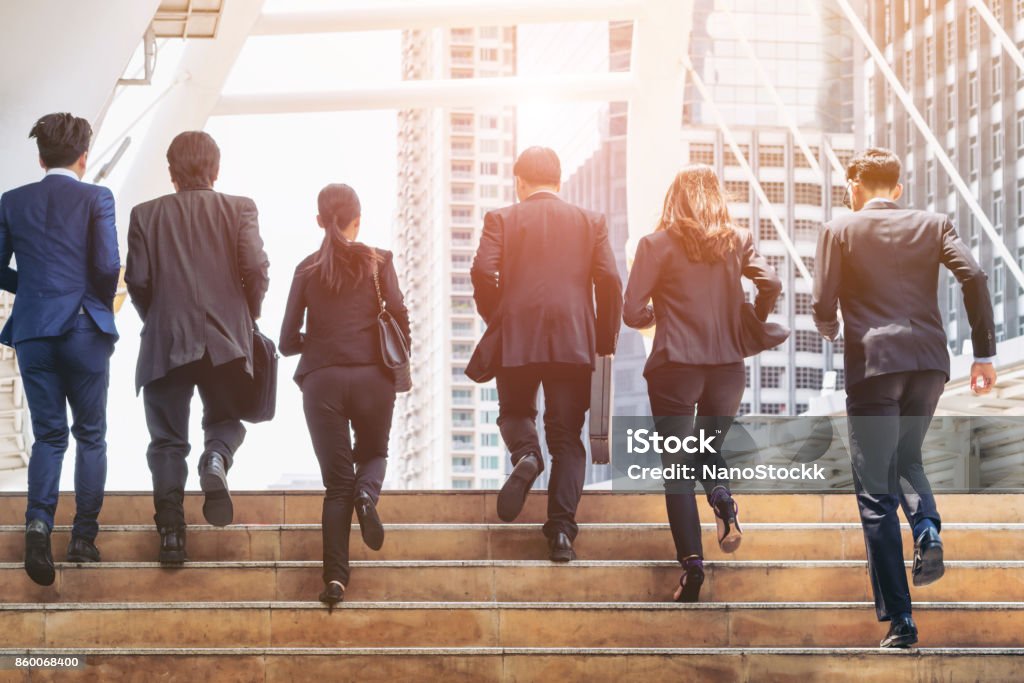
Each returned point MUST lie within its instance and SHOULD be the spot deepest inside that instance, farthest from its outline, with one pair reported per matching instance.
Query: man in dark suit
(541, 267)
(880, 265)
(197, 274)
(62, 233)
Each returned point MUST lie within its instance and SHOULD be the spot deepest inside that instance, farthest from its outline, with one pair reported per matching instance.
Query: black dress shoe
(332, 594)
(213, 480)
(369, 522)
(82, 550)
(172, 545)
(561, 548)
(38, 557)
(902, 633)
(691, 581)
(928, 566)
(513, 494)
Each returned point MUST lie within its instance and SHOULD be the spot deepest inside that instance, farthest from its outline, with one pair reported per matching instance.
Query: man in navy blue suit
(62, 233)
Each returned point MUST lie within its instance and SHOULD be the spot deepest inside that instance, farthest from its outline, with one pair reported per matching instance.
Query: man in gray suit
(880, 265)
(197, 274)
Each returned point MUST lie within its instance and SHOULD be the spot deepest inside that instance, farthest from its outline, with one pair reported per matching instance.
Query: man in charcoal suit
(545, 280)
(880, 265)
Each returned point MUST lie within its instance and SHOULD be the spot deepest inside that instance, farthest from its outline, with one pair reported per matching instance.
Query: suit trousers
(889, 417)
(339, 400)
(168, 403)
(685, 399)
(73, 369)
(566, 401)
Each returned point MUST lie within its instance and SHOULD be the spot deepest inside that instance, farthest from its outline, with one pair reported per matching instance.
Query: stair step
(476, 507)
(635, 625)
(386, 665)
(823, 541)
(502, 580)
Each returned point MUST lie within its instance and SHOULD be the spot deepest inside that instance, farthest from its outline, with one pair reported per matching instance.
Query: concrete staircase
(457, 596)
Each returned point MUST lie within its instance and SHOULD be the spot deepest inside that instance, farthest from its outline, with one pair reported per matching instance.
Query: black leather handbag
(260, 402)
(394, 349)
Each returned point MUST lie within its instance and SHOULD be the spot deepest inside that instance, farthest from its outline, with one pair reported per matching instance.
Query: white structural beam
(465, 92)
(202, 72)
(654, 147)
(1004, 38)
(1009, 261)
(424, 14)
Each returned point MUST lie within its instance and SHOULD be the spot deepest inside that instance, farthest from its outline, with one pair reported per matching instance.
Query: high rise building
(972, 96)
(809, 60)
(454, 166)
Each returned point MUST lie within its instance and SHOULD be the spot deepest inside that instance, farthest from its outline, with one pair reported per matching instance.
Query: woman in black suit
(343, 381)
(691, 267)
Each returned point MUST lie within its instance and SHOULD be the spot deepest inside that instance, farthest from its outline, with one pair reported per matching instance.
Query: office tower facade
(454, 165)
(808, 58)
(971, 94)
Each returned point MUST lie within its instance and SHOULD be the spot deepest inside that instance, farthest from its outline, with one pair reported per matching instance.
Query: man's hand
(983, 378)
(829, 330)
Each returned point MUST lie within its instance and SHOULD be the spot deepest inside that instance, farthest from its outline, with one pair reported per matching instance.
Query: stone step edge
(595, 493)
(492, 605)
(497, 564)
(492, 651)
(594, 526)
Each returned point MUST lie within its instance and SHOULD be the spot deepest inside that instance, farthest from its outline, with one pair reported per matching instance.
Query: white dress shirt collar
(62, 171)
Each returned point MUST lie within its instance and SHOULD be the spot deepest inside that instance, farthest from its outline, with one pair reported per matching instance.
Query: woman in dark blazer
(691, 267)
(343, 380)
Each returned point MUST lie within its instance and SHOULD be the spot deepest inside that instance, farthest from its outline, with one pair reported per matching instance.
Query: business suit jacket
(881, 266)
(63, 235)
(341, 327)
(696, 306)
(197, 274)
(546, 264)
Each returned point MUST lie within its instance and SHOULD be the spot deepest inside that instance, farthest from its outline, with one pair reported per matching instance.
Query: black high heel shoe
(333, 593)
(726, 519)
(691, 580)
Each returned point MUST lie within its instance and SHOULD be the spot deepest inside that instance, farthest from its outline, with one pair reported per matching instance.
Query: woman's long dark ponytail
(340, 260)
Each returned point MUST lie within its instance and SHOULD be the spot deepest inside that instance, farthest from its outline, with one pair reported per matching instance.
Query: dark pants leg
(168, 403)
(566, 401)
(676, 393)
(879, 439)
(72, 369)
(335, 399)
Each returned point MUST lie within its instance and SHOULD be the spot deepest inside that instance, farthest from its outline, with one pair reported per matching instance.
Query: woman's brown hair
(341, 260)
(696, 212)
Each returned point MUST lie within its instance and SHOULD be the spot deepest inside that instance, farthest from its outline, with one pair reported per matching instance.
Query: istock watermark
(812, 454)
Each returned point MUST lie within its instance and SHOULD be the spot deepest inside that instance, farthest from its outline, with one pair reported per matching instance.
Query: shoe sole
(217, 508)
(900, 642)
(562, 557)
(81, 559)
(512, 496)
(42, 573)
(930, 566)
(371, 528)
(172, 557)
(730, 542)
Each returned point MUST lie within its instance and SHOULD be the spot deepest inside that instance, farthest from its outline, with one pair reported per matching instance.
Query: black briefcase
(260, 402)
(601, 411)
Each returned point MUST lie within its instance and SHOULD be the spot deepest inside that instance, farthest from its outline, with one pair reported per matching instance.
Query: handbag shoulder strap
(376, 282)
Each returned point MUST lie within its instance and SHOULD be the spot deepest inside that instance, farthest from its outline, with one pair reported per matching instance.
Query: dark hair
(61, 138)
(538, 166)
(340, 260)
(874, 168)
(194, 159)
(696, 212)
